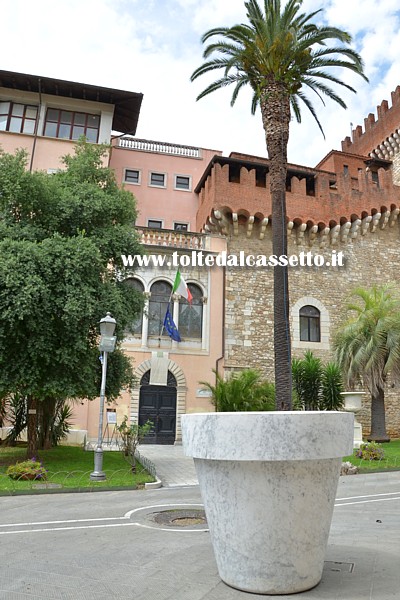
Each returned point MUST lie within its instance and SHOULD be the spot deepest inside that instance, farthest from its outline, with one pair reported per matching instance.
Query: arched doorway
(157, 403)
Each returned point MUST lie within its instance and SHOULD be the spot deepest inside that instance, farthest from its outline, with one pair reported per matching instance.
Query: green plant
(59, 423)
(29, 469)
(244, 391)
(307, 376)
(53, 422)
(16, 417)
(59, 235)
(370, 451)
(331, 387)
(132, 435)
(316, 386)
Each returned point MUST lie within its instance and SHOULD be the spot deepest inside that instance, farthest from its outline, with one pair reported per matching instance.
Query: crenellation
(377, 132)
(382, 108)
(335, 195)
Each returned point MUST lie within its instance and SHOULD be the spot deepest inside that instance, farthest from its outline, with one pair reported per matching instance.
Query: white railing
(173, 239)
(160, 147)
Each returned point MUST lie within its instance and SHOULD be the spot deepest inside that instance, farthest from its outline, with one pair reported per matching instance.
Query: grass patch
(391, 462)
(69, 467)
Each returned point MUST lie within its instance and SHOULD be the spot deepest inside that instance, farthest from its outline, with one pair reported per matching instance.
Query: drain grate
(340, 567)
(180, 518)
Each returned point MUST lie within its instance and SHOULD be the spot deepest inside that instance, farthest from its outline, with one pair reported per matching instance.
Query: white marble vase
(268, 482)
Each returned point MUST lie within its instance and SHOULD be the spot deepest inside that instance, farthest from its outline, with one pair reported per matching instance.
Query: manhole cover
(340, 567)
(180, 518)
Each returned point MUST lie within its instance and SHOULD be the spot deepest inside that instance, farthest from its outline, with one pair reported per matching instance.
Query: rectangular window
(17, 118)
(154, 224)
(181, 226)
(182, 182)
(70, 125)
(158, 180)
(132, 176)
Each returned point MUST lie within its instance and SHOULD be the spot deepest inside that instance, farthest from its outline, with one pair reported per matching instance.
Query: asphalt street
(106, 545)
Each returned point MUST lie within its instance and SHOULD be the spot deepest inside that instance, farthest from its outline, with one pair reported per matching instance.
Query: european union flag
(170, 327)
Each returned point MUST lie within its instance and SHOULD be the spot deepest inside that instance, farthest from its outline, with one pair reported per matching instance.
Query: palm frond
(280, 45)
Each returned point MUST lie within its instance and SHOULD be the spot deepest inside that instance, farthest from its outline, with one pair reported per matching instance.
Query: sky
(153, 46)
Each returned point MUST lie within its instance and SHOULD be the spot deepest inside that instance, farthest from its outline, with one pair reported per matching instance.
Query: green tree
(61, 237)
(368, 348)
(280, 53)
(244, 391)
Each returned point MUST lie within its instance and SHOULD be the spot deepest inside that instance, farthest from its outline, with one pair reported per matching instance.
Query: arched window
(310, 324)
(191, 316)
(159, 299)
(137, 285)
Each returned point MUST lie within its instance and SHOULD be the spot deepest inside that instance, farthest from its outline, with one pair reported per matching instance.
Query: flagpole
(169, 304)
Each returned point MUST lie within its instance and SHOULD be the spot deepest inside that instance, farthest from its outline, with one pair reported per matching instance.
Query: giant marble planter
(268, 482)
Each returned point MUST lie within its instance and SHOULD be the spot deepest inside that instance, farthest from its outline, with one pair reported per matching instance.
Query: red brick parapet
(314, 197)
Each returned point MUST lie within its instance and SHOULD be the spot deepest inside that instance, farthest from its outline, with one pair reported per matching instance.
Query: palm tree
(368, 348)
(279, 53)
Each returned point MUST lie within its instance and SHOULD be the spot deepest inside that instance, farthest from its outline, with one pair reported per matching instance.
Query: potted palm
(268, 479)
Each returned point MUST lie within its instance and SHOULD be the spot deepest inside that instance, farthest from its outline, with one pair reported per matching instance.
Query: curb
(153, 485)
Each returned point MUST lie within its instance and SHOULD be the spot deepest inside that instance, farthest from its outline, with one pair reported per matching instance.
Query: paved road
(106, 546)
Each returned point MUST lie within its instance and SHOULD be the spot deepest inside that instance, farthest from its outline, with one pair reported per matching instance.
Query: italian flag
(180, 287)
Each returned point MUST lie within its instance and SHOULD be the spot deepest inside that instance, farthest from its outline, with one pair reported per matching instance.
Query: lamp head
(107, 325)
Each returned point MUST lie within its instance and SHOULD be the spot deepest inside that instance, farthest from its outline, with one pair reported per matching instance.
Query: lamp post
(107, 344)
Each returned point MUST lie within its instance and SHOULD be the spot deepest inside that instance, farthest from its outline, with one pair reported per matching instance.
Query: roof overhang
(127, 104)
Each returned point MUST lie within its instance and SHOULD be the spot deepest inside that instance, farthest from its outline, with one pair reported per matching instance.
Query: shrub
(370, 451)
(317, 386)
(132, 435)
(29, 469)
(244, 391)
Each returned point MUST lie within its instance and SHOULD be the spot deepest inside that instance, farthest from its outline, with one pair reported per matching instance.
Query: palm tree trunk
(32, 427)
(378, 418)
(275, 110)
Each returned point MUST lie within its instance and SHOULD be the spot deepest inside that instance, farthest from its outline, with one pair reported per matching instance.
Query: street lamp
(107, 344)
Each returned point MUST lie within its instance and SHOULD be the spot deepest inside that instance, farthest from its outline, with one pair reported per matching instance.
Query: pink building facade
(46, 117)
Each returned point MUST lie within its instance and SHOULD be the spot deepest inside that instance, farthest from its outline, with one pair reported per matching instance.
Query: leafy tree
(244, 391)
(368, 348)
(61, 237)
(280, 52)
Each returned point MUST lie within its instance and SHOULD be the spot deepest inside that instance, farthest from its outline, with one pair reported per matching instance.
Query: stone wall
(370, 259)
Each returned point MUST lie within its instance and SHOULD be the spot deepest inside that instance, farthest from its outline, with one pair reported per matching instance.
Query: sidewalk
(172, 467)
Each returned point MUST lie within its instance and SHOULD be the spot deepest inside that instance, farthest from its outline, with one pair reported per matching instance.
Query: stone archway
(181, 390)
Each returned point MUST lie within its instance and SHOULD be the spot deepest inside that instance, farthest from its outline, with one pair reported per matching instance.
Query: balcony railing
(160, 147)
(174, 239)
